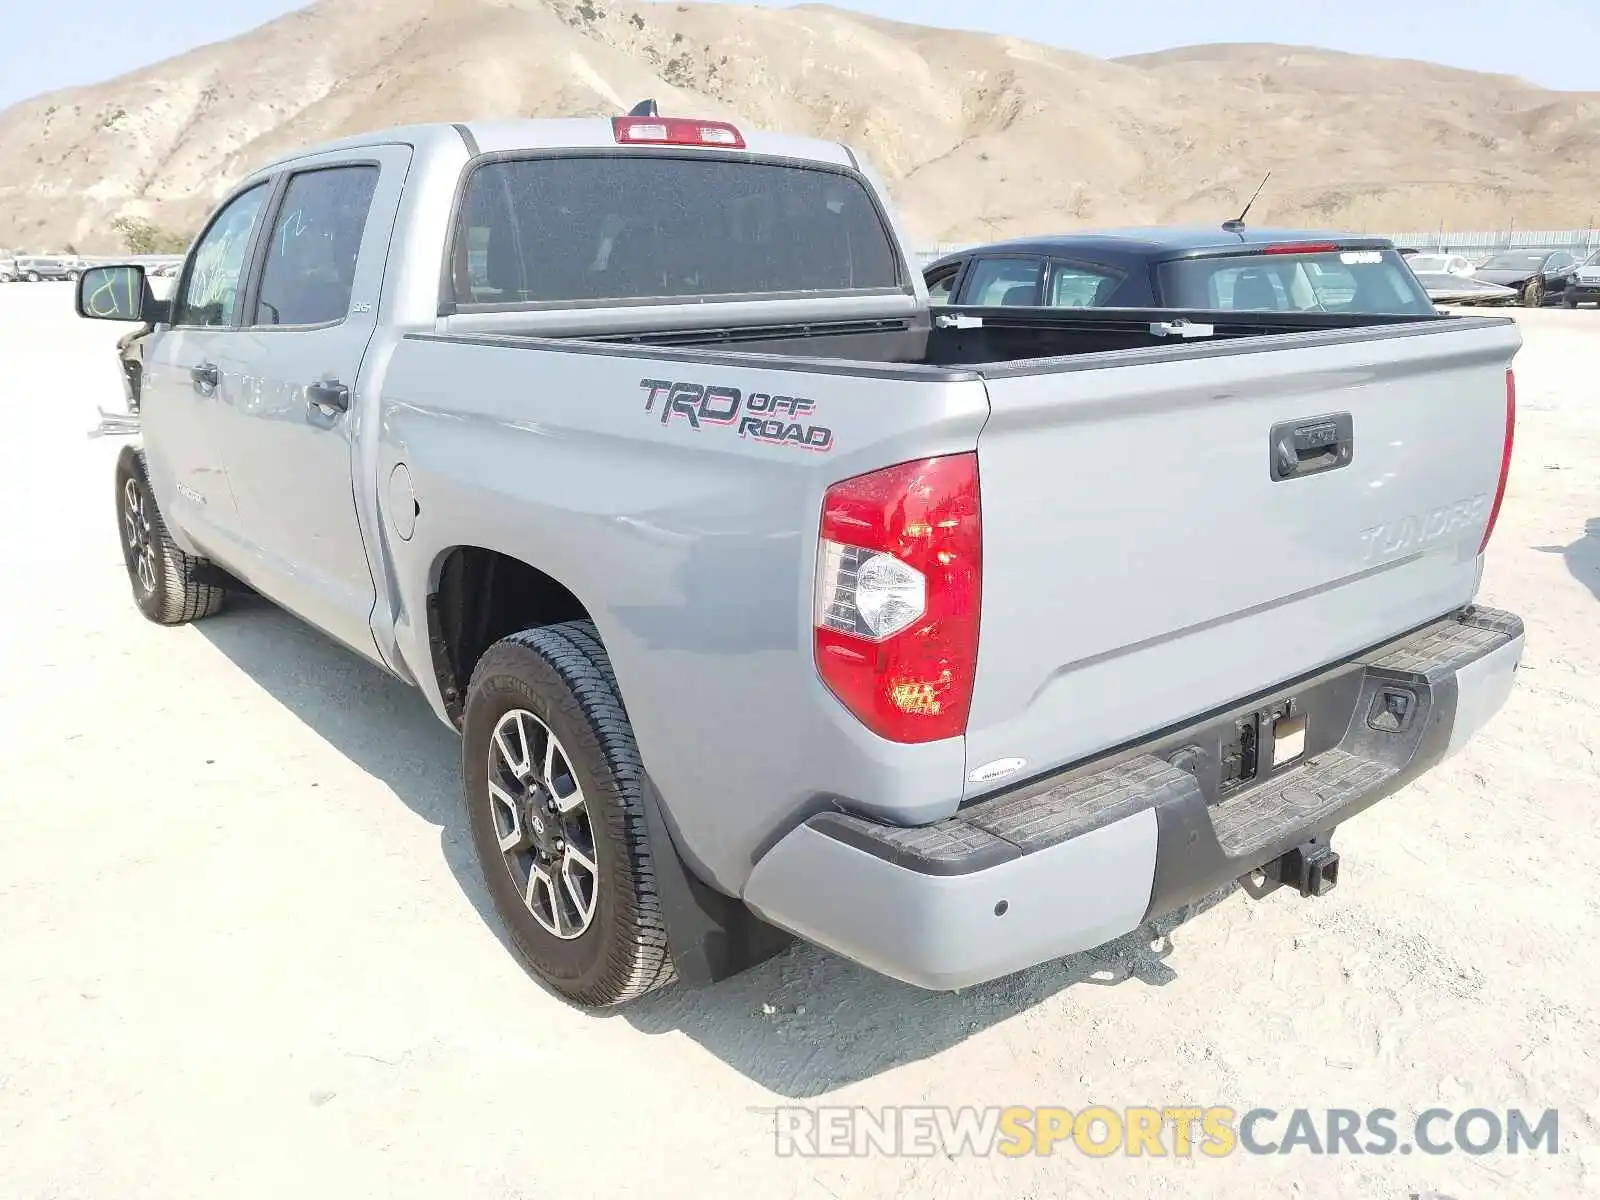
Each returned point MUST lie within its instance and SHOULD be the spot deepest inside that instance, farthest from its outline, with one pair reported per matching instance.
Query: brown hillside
(980, 136)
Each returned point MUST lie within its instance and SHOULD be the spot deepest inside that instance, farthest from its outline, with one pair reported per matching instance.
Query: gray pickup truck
(767, 604)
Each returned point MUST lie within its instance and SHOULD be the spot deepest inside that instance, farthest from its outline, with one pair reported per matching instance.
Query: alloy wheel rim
(136, 530)
(542, 825)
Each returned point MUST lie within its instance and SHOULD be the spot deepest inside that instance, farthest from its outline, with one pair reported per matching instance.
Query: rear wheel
(1533, 293)
(72, 276)
(167, 584)
(33, 277)
(552, 782)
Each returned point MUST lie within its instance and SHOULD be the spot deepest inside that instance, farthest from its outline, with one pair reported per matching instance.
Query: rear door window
(311, 260)
(940, 285)
(1079, 285)
(1004, 282)
(1370, 282)
(631, 227)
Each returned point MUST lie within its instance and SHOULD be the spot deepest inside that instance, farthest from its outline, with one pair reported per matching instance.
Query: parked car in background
(1443, 263)
(1541, 276)
(1215, 269)
(1444, 288)
(43, 267)
(1584, 287)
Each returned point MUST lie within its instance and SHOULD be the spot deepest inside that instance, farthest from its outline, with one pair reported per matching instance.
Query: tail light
(675, 131)
(899, 575)
(1303, 248)
(1505, 458)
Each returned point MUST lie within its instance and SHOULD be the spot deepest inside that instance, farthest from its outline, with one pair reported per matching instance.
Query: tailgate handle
(1310, 446)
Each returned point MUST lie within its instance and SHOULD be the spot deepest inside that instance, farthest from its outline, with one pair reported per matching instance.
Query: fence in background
(1577, 241)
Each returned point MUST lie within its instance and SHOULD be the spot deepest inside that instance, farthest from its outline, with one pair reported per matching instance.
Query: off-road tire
(179, 595)
(561, 674)
(1533, 294)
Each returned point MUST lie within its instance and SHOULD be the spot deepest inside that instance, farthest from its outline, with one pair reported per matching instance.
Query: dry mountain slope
(980, 135)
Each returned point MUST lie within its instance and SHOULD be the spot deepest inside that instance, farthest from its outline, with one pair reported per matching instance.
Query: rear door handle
(1310, 446)
(205, 375)
(330, 396)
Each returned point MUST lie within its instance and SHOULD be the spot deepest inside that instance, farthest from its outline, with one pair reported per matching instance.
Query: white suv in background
(1441, 264)
(1585, 285)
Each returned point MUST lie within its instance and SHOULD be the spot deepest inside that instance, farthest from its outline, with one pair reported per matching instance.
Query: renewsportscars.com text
(1157, 1131)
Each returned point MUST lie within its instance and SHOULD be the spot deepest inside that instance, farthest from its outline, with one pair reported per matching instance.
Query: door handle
(205, 375)
(329, 395)
(1310, 446)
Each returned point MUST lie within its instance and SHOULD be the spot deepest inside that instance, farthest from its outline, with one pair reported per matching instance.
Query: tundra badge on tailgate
(766, 418)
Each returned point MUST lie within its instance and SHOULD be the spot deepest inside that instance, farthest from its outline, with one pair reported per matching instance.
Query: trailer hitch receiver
(1312, 868)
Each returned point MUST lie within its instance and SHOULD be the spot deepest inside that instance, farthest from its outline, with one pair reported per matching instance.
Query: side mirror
(120, 293)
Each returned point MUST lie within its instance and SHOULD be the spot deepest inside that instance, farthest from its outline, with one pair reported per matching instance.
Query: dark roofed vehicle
(1541, 275)
(1214, 269)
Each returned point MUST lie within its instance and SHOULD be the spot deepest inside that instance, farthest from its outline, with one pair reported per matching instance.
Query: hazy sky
(58, 43)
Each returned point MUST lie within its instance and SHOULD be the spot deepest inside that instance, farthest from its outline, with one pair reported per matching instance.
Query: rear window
(1375, 282)
(1516, 260)
(1005, 282)
(620, 228)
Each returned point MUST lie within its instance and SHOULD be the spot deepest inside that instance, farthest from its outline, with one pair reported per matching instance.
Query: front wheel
(552, 781)
(1533, 293)
(33, 277)
(167, 583)
(1569, 302)
(72, 277)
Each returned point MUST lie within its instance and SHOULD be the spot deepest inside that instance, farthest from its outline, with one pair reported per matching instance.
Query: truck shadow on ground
(800, 1024)
(1583, 556)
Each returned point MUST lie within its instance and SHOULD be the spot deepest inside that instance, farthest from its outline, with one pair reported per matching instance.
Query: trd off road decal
(760, 415)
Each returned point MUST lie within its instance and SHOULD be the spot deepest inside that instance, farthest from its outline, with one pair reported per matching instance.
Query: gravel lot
(245, 951)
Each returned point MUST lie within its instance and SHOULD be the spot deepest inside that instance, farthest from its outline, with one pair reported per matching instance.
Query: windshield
(1593, 260)
(1515, 261)
(1428, 262)
(1375, 282)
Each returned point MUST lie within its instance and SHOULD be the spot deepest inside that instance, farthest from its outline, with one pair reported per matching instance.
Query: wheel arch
(477, 595)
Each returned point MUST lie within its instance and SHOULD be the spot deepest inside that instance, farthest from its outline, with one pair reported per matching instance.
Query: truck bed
(992, 337)
(1142, 563)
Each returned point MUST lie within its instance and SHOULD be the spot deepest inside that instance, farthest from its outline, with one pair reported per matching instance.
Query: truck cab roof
(559, 133)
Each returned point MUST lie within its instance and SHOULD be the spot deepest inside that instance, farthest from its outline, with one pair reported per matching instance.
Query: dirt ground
(245, 951)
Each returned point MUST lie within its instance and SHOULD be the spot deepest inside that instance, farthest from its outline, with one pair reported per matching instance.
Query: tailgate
(1168, 531)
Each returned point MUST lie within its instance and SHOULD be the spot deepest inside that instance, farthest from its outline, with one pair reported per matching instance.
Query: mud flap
(711, 936)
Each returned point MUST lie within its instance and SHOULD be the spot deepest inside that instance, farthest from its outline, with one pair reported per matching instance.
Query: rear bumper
(1070, 861)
